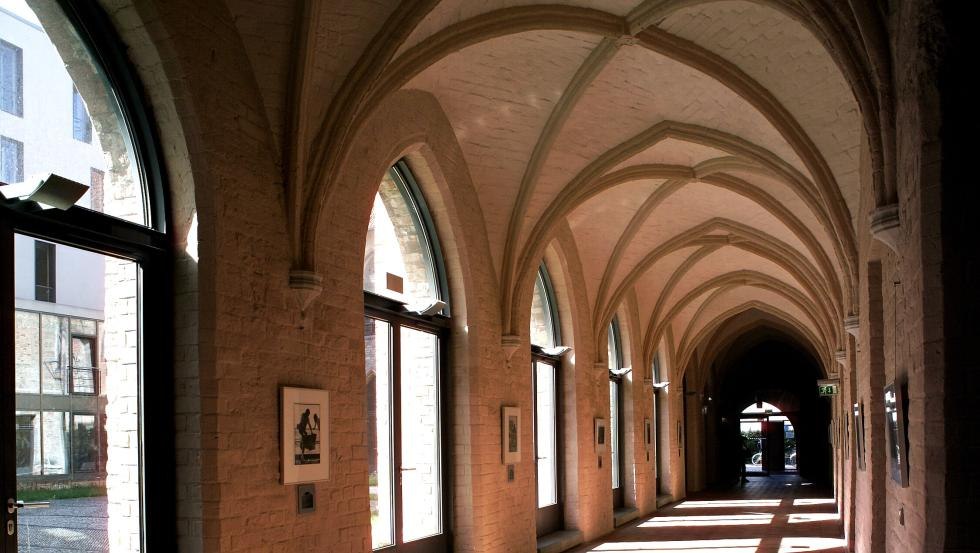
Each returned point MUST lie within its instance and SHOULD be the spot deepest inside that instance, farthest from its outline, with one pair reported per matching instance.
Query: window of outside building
(11, 79)
(404, 370)
(81, 122)
(11, 160)
(96, 183)
(45, 263)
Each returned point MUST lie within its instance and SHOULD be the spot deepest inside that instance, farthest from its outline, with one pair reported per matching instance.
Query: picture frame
(601, 435)
(895, 432)
(648, 434)
(304, 435)
(510, 434)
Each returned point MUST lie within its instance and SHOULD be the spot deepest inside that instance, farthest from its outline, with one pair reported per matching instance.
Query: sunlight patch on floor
(812, 517)
(707, 520)
(685, 546)
(806, 544)
(814, 501)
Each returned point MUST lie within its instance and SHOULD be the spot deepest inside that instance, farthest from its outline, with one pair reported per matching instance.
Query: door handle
(406, 468)
(13, 505)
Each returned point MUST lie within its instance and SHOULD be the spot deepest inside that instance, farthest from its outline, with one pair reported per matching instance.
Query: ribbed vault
(705, 156)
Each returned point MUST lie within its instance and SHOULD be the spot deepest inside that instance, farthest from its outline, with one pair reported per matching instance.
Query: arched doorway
(768, 439)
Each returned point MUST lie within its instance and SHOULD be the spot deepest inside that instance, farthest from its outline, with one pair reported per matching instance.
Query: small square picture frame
(601, 435)
(510, 434)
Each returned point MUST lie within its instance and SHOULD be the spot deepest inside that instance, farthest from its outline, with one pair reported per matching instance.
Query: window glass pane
(614, 431)
(546, 434)
(72, 121)
(542, 325)
(84, 444)
(54, 433)
(420, 441)
(54, 354)
(612, 337)
(11, 79)
(83, 327)
(28, 436)
(84, 375)
(377, 339)
(80, 434)
(398, 259)
(11, 160)
(27, 351)
(81, 123)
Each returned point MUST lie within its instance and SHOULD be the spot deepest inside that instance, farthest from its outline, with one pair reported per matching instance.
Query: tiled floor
(775, 514)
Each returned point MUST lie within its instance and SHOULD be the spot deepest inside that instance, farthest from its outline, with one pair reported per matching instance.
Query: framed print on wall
(305, 442)
(601, 435)
(648, 434)
(510, 432)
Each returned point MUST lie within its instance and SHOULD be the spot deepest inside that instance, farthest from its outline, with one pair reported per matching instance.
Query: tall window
(11, 79)
(615, 357)
(44, 271)
(405, 331)
(82, 349)
(11, 160)
(81, 123)
(660, 425)
(545, 373)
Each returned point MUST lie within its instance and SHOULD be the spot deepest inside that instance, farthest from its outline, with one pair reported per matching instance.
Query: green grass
(67, 493)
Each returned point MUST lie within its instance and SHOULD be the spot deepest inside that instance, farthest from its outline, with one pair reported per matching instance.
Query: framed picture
(648, 434)
(895, 425)
(510, 432)
(601, 435)
(305, 442)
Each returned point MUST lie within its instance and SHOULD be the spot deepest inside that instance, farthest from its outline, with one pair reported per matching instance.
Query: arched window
(615, 359)
(660, 413)
(405, 331)
(85, 298)
(546, 378)
(544, 315)
(402, 260)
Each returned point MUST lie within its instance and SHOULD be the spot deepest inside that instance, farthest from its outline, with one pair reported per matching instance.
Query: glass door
(547, 445)
(405, 436)
(72, 464)
(615, 440)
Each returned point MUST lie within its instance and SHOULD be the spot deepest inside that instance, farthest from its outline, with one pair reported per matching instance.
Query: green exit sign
(829, 387)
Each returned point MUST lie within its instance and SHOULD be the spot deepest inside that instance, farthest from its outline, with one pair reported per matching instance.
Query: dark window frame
(147, 245)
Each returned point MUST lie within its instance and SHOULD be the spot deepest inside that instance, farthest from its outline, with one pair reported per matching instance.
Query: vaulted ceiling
(706, 155)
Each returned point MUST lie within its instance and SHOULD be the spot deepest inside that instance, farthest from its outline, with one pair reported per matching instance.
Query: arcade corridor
(776, 514)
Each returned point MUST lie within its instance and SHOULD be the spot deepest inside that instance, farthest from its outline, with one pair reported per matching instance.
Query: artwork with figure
(307, 434)
(510, 430)
(304, 435)
(512, 434)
